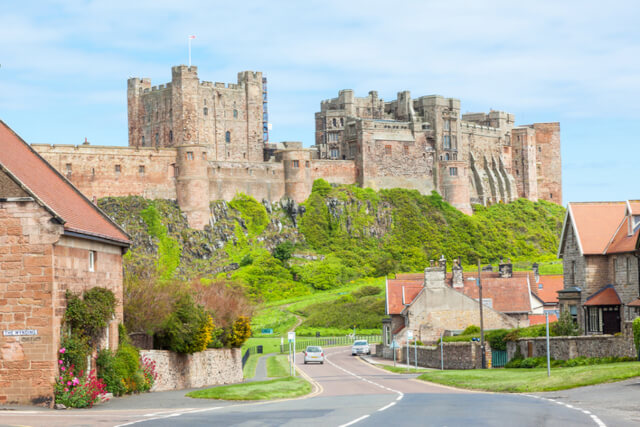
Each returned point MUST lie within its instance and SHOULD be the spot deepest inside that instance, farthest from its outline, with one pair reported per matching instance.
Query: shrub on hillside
(188, 329)
(325, 274)
(366, 291)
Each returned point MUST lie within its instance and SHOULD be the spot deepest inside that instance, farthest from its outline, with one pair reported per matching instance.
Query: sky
(64, 66)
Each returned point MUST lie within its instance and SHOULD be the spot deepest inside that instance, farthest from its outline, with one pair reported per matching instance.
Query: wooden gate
(498, 358)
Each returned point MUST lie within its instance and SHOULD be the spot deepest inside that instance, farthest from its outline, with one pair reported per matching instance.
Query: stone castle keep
(199, 141)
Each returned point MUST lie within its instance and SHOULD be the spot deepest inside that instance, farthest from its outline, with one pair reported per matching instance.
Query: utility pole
(484, 361)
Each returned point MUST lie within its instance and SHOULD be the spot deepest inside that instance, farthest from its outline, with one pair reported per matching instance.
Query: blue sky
(64, 66)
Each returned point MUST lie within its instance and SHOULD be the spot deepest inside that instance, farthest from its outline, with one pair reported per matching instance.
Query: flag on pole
(192, 37)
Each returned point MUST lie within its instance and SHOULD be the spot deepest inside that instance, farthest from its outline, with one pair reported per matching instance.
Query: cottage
(52, 239)
(599, 249)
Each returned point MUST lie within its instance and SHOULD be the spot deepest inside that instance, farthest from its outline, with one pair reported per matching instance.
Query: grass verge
(279, 388)
(277, 366)
(249, 370)
(400, 370)
(534, 380)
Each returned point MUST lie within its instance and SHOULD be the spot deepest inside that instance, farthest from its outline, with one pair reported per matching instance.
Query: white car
(313, 353)
(360, 347)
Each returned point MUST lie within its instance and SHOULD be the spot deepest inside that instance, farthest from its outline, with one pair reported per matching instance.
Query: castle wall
(114, 171)
(549, 161)
(263, 181)
(334, 171)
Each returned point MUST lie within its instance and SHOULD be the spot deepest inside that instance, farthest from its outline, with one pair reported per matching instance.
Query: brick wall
(456, 355)
(209, 367)
(27, 363)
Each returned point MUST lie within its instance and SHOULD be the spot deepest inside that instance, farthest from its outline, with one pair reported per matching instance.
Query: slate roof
(604, 296)
(36, 176)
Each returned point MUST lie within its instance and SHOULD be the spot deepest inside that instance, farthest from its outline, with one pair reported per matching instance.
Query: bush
(321, 187)
(366, 291)
(90, 315)
(240, 332)
(496, 339)
(636, 334)
(326, 274)
(283, 251)
(107, 372)
(74, 352)
(75, 390)
(565, 326)
(188, 329)
(471, 330)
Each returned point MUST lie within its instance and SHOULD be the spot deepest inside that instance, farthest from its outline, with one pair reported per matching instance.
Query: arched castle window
(455, 156)
(227, 136)
(334, 123)
(157, 140)
(206, 111)
(341, 121)
(235, 114)
(143, 140)
(446, 156)
(171, 136)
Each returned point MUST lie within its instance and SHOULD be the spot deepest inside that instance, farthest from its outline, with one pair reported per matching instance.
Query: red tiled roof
(634, 303)
(551, 284)
(508, 295)
(394, 293)
(605, 296)
(58, 194)
(622, 242)
(596, 223)
(410, 276)
(635, 207)
(537, 319)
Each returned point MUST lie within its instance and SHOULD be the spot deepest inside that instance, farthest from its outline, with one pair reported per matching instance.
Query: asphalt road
(347, 392)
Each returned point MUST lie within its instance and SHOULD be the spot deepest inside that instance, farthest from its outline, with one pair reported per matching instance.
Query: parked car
(313, 353)
(360, 347)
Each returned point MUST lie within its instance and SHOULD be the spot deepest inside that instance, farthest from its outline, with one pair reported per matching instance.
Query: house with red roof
(52, 240)
(434, 302)
(599, 249)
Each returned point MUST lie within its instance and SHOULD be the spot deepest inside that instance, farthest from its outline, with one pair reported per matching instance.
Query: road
(348, 392)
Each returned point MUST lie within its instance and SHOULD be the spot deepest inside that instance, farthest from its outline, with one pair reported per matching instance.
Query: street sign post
(291, 337)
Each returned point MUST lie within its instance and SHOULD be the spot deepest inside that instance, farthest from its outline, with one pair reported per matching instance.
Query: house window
(227, 136)
(446, 142)
(189, 155)
(92, 260)
(235, 114)
(295, 164)
(573, 310)
(572, 273)
(594, 319)
(628, 269)
(117, 169)
(387, 150)
(453, 171)
(141, 170)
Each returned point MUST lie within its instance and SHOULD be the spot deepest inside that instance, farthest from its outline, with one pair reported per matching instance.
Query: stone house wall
(210, 367)
(27, 363)
(565, 348)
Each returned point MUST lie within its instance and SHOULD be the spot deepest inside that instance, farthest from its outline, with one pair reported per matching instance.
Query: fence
(303, 342)
(249, 352)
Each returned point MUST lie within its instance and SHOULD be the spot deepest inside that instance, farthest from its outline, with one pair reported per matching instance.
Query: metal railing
(303, 342)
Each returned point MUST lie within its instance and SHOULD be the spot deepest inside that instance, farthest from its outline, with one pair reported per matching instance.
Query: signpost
(546, 315)
(409, 338)
(291, 336)
(394, 346)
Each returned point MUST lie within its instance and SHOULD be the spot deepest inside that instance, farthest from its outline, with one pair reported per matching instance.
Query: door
(611, 319)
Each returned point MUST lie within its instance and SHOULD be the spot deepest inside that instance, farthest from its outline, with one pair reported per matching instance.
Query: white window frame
(92, 260)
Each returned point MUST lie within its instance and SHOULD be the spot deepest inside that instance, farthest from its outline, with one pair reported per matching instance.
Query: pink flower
(62, 350)
(60, 362)
(68, 382)
(66, 389)
(76, 381)
(62, 368)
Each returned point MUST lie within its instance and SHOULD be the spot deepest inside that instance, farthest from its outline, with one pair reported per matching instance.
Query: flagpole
(189, 51)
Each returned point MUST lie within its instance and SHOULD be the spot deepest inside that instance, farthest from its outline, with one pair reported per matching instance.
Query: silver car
(313, 353)
(360, 347)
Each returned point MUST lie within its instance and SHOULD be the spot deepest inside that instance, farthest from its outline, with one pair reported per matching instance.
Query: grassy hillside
(282, 251)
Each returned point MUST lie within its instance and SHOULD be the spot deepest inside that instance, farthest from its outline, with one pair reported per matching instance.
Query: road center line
(174, 414)
(595, 418)
(400, 394)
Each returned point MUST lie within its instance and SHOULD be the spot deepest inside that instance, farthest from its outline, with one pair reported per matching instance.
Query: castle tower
(454, 184)
(192, 184)
(135, 108)
(297, 171)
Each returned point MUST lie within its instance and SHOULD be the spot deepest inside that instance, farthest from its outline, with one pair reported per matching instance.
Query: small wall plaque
(20, 332)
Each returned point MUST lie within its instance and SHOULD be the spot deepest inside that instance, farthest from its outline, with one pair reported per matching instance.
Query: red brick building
(52, 239)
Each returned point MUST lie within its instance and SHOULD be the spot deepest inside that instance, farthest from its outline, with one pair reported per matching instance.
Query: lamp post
(479, 285)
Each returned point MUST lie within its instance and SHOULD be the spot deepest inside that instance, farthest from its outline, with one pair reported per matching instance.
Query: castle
(199, 141)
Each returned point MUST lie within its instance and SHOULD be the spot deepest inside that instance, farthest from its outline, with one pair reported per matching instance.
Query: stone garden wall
(565, 348)
(457, 355)
(181, 371)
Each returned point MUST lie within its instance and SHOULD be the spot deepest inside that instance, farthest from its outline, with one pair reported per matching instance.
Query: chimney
(442, 262)
(456, 271)
(505, 269)
(536, 272)
(434, 277)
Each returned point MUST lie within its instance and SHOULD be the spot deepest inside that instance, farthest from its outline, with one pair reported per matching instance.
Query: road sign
(394, 344)
(409, 334)
(291, 336)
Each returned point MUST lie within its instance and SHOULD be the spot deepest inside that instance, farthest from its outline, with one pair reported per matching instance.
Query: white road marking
(387, 407)
(595, 418)
(400, 394)
(174, 414)
(354, 421)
